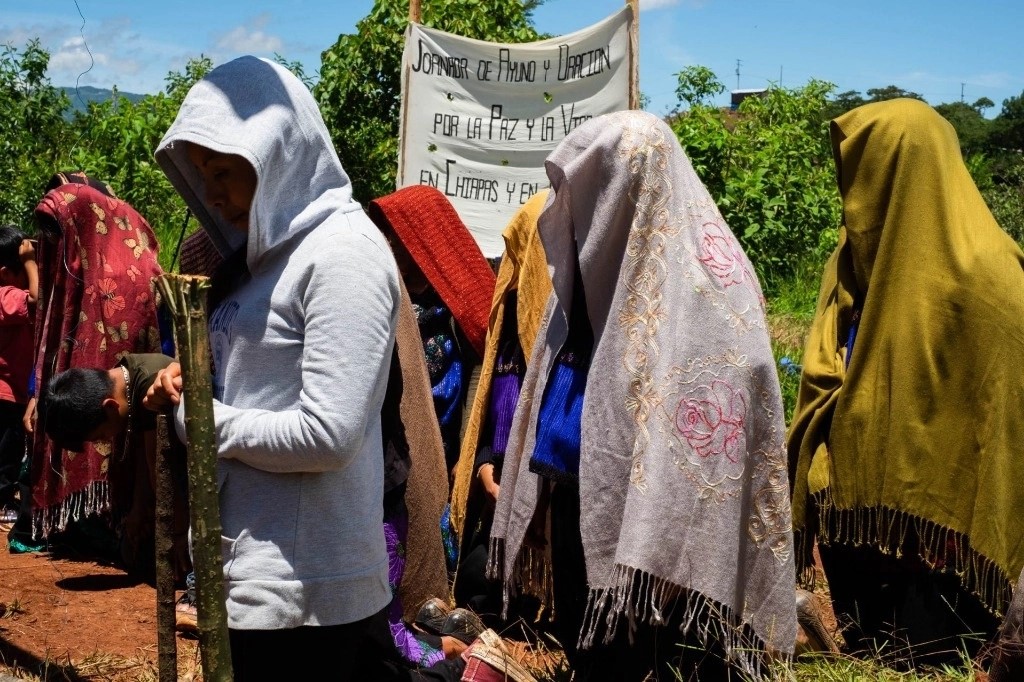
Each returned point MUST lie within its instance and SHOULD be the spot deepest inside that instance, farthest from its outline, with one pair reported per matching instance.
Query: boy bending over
(83, 405)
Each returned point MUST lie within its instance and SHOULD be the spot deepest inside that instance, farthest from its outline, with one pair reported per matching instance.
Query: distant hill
(87, 93)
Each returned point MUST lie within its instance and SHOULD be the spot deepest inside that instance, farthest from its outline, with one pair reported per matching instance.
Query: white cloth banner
(478, 119)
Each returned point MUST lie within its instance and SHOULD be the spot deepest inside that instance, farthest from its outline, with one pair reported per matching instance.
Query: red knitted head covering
(443, 248)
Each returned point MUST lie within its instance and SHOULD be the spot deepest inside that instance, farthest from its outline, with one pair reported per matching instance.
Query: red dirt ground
(73, 618)
(78, 619)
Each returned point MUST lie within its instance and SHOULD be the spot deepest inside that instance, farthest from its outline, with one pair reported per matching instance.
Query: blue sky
(928, 46)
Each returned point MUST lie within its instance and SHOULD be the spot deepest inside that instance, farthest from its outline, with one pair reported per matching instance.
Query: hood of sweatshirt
(260, 111)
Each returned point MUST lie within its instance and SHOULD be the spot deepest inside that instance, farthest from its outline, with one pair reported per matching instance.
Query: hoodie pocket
(227, 543)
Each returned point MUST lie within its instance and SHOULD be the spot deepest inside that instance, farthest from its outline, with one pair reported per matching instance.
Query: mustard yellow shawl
(922, 434)
(524, 270)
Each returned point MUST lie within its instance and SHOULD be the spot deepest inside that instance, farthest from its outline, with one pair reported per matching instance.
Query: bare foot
(452, 647)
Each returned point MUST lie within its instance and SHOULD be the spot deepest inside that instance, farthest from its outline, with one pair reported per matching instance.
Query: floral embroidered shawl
(96, 305)
(918, 433)
(684, 499)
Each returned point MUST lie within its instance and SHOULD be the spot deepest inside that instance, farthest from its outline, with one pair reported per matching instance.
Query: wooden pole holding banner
(634, 56)
(415, 12)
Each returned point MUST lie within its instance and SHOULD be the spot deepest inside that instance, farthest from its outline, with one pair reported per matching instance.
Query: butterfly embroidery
(119, 333)
(107, 269)
(138, 246)
(122, 223)
(133, 272)
(101, 215)
(101, 227)
(112, 302)
(101, 328)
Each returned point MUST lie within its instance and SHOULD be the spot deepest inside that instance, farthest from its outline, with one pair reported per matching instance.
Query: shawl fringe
(92, 499)
(887, 530)
(637, 596)
(531, 576)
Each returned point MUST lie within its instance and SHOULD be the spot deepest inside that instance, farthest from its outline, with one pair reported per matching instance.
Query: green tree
(971, 127)
(33, 136)
(769, 168)
(359, 91)
(697, 85)
(890, 92)
(841, 103)
(1008, 126)
(981, 104)
(117, 139)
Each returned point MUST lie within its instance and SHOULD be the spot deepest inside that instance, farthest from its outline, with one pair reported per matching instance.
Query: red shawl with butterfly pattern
(96, 305)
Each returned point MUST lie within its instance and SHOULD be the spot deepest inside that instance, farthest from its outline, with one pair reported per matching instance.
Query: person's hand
(486, 475)
(29, 420)
(27, 250)
(452, 647)
(166, 389)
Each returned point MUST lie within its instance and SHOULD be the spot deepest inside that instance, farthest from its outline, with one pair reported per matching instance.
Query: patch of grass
(13, 609)
(787, 363)
(795, 295)
(791, 304)
(849, 669)
(168, 236)
(105, 667)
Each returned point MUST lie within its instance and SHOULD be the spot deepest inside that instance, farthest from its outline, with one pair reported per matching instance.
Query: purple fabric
(414, 650)
(504, 396)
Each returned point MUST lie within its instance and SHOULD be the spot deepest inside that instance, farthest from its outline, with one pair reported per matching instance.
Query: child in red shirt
(19, 289)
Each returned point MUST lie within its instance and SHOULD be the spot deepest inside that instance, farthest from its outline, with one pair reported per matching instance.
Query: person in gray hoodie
(301, 342)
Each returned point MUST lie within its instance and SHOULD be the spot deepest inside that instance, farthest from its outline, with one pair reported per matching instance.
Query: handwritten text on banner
(480, 118)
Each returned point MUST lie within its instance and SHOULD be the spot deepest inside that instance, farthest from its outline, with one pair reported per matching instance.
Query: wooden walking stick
(185, 296)
(166, 643)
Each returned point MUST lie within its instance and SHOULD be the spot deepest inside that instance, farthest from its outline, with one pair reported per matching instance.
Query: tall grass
(791, 303)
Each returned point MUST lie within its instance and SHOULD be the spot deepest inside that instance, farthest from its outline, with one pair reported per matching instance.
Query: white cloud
(656, 4)
(660, 4)
(75, 56)
(250, 38)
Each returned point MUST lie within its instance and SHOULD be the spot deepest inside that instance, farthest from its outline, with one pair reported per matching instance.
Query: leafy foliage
(359, 91)
(1002, 185)
(851, 99)
(769, 168)
(32, 130)
(971, 127)
(697, 85)
(115, 143)
(890, 92)
(1008, 128)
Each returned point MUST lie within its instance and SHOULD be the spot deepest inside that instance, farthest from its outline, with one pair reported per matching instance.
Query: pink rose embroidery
(711, 419)
(721, 255)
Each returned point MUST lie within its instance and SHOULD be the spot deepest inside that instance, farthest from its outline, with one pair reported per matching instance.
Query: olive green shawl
(922, 434)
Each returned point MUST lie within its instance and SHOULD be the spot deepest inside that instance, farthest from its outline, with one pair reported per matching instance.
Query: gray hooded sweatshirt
(301, 354)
